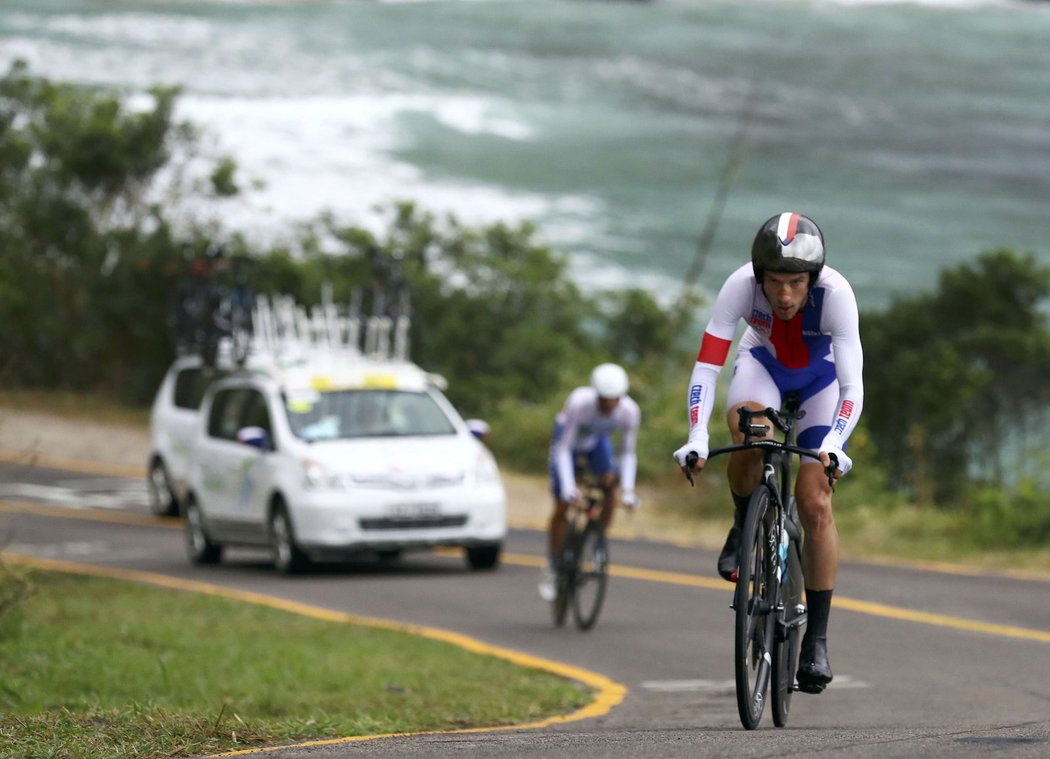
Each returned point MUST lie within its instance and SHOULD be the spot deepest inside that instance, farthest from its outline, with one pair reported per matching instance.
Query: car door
(258, 469)
(228, 466)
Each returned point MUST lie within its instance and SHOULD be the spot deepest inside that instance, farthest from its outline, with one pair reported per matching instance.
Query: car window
(190, 384)
(256, 413)
(227, 411)
(365, 413)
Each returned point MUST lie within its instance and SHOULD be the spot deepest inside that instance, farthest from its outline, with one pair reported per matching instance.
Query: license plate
(414, 510)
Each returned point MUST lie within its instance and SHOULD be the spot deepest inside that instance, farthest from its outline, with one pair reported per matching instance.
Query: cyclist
(584, 427)
(802, 334)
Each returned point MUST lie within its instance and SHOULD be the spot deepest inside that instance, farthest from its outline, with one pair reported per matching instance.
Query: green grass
(95, 667)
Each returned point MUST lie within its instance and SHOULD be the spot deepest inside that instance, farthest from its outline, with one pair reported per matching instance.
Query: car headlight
(317, 476)
(485, 470)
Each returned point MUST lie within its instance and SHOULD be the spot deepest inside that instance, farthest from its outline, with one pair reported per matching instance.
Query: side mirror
(256, 437)
(478, 428)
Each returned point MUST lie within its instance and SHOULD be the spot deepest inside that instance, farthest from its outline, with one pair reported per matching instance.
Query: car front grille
(410, 523)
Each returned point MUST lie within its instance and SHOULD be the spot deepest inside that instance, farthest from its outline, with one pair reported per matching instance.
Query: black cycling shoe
(727, 560)
(814, 672)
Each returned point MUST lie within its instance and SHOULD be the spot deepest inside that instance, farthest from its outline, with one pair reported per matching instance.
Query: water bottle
(782, 569)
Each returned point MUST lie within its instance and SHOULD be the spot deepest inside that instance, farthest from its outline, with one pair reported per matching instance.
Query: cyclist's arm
(844, 326)
(629, 441)
(734, 299)
(562, 453)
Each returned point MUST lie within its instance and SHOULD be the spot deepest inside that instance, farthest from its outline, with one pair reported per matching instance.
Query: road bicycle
(768, 601)
(212, 302)
(582, 561)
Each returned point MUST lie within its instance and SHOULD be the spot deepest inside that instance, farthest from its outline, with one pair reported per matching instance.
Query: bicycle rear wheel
(754, 602)
(789, 630)
(589, 588)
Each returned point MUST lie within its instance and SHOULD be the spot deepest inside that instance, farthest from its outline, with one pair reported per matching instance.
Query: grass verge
(95, 667)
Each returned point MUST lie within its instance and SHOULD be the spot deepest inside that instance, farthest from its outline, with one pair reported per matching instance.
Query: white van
(332, 456)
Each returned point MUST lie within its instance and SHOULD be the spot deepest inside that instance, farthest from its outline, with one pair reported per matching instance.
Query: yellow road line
(941, 620)
(608, 693)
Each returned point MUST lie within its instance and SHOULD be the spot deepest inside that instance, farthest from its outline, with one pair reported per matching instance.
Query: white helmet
(610, 380)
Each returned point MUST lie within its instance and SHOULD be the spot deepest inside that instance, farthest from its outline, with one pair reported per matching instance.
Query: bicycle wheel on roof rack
(592, 560)
(755, 619)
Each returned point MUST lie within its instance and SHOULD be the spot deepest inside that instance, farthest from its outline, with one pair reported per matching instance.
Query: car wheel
(287, 557)
(484, 557)
(162, 500)
(200, 548)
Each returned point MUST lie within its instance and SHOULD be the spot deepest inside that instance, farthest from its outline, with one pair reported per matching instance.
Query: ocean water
(917, 134)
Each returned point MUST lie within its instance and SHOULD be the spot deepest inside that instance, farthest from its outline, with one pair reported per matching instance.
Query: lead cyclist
(802, 334)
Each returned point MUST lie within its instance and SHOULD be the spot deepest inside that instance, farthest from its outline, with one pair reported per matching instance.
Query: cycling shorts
(819, 392)
(599, 458)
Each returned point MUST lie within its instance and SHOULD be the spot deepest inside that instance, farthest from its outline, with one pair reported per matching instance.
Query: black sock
(740, 502)
(818, 603)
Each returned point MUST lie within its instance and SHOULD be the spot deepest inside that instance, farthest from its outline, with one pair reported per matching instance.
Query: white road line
(729, 686)
(78, 549)
(115, 498)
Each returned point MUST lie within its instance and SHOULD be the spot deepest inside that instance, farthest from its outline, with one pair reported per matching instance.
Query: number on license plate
(414, 510)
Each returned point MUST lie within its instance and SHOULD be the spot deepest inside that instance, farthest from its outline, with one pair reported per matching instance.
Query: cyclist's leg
(753, 387)
(555, 527)
(820, 550)
(602, 463)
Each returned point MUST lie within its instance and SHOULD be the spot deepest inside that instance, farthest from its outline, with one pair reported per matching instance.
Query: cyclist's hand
(682, 454)
(845, 463)
(572, 495)
(629, 500)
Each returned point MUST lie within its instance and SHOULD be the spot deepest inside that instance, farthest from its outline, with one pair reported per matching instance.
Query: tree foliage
(92, 257)
(87, 254)
(956, 379)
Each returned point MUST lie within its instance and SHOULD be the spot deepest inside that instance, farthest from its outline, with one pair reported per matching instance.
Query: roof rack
(284, 327)
(325, 341)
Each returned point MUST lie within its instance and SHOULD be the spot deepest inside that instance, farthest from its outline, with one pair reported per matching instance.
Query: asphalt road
(927, 663)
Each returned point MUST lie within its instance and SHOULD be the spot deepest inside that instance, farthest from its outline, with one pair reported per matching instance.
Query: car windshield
(365, 413)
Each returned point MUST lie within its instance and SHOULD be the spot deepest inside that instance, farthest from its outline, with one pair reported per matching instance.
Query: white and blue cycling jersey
(817, 352)
(581, 428)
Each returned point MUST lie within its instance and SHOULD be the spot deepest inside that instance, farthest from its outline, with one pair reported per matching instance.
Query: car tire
(484, 557)
(287, 557)
(200, 548)
(162, 500)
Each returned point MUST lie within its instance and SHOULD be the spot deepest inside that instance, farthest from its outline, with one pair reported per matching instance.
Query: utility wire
(725, 186)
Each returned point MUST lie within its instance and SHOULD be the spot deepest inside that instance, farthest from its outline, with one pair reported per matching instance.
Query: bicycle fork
(791, 611)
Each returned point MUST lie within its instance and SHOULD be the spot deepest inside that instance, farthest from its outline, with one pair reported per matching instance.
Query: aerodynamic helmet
(610, 380)
(788, 242)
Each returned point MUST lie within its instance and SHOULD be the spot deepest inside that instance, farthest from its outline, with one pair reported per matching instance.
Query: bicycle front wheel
(754, 602)
(789, 629)
(589, 590)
